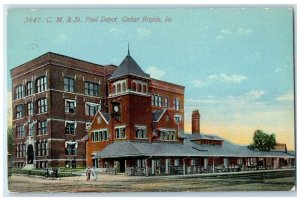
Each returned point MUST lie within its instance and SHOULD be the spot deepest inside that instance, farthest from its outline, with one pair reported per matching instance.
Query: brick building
(55, 98)
(72, 113)
(142, 132)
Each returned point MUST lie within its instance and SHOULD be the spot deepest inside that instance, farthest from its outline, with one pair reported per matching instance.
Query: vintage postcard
(150, 99)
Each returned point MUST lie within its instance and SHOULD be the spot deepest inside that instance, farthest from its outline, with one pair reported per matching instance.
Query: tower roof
(129, 67)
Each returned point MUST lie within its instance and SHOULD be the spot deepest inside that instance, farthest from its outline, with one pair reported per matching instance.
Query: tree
(262, 141)
(10, 140)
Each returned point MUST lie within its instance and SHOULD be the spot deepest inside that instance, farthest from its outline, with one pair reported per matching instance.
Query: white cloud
(113, 30)
(244, 31)
(143, 33)
(235, 79)
(277, 70)
(225, 31)
(228, 78)
(254, 94)
(198, 83)
(155, 72)
(219, 37)
(289, 96)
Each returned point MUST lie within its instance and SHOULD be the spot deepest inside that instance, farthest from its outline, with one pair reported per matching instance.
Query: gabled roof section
(129, 67)
(200, 136)
(157, 115)
(105, 116)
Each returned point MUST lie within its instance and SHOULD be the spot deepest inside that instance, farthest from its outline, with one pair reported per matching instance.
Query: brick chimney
(195, 122)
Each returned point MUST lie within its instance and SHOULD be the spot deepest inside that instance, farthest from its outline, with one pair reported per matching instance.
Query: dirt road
(258, 181)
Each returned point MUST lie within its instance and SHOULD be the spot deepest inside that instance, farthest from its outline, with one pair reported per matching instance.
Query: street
(247, 181)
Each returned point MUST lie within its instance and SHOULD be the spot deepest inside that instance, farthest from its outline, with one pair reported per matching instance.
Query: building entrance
(30, 154)
(122, 166)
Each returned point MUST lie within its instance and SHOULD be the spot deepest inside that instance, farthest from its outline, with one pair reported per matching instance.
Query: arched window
(139, 88)
(114, 89)
(133, 86)
(41, 84)
(123, 86)
(29, 89)
(118, 88)
(19, 92)
(144, 89)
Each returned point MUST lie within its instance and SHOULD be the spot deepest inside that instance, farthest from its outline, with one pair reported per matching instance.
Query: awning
(71, 143)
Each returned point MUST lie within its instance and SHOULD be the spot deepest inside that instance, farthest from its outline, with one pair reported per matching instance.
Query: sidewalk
(123, 177)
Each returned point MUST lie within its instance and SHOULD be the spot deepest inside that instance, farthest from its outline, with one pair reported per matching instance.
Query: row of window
(90, 88)
(42, 128)
(157, 101)
(121, 86)
(70, 106)
(21, 150)
(41, 108)
(140, 133)
(40, 86)
(167, 135)
(42, 148)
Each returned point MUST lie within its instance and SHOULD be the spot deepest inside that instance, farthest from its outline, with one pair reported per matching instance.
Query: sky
(236, 63)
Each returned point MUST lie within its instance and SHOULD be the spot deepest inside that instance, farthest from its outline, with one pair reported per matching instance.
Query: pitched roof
(157, 114)
(128, 149)
(129, 67)
(188, 149)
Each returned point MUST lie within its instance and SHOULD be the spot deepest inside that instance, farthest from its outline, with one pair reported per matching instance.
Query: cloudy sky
(236, 63)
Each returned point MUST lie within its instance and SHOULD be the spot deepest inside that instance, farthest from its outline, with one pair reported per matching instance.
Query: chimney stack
(195, 122)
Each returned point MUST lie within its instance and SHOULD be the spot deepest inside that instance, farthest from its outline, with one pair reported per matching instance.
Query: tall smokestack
(195, 122)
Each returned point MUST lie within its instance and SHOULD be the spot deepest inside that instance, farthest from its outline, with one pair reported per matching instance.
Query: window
(19, 111)
(87, 126)
(166, 102)
(29, 89)
(19, 92)
(91, 88)
(156, 100)
(176, 104)
(21, 150)
(30, 108)
(176, 162)
(118, 88)
(41, 84)
(140, 132)
(42, 127)
(70, 106)
(71, 148)
(177, 118)
(114, 89)
(120, 133)
(70, 127)
(167, 135)
(91, 108)
(193, 162)
(69, 84)
(30, 128)
(20, 131)
(144, 89)
(123, 87)
(139, 87)
(133, 86)
(42, 148)
(101, 135)
(152, 100)
(140, 163)
(159, 101)
(42, 105)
